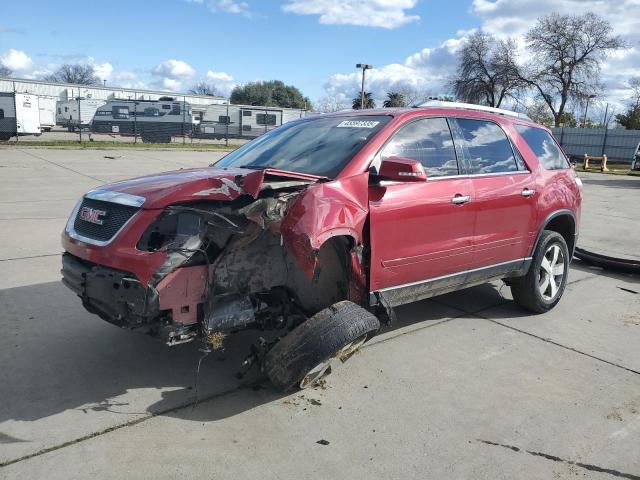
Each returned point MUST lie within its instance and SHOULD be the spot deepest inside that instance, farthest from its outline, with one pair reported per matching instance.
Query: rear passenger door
(504, 193)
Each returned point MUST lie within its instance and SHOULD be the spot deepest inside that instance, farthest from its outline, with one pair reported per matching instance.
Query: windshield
(318, 146)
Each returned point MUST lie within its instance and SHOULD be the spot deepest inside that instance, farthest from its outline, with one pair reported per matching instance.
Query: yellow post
(604, 164)
(586, 161)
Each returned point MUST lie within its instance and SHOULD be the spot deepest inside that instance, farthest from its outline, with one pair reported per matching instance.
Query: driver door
(421, 231)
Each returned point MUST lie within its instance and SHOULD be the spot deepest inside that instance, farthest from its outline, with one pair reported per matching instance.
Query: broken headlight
(173, 230)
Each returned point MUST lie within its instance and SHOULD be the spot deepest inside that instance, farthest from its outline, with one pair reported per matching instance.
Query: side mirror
(400, 169)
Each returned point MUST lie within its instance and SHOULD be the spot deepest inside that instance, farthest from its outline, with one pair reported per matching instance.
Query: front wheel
(304, 356)
(542, 287)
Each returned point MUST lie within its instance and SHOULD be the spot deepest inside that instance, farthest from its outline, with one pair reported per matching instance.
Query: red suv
(318, 229)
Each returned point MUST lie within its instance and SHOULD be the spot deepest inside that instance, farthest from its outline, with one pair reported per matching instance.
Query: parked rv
(156, 121)
(77, 113)
(244, 121)
(47, 108)
(19, 115)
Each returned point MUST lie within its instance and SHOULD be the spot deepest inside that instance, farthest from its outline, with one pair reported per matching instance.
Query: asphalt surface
(465, 386)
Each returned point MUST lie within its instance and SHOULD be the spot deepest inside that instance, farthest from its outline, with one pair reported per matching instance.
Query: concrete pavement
(465, 386)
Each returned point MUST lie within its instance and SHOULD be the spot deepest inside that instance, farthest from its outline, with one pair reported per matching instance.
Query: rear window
(544, 147)
(319, 145)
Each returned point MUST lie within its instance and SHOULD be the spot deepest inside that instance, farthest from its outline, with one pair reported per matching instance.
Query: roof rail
(472, 106)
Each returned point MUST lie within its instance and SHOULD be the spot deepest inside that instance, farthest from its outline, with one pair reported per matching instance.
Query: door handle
(460, 199)
(527, 192)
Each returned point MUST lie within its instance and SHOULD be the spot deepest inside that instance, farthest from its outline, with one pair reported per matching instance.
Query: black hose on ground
(608, 263)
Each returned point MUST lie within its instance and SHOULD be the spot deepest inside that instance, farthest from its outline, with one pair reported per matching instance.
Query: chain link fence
(168, 119)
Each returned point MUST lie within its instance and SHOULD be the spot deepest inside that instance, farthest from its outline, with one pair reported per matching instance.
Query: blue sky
(312, 44)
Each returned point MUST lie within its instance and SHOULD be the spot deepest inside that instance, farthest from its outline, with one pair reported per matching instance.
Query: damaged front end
(220, 254)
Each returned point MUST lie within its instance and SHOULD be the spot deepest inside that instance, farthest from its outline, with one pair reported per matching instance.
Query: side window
(120, 112)
(246, 113)
(175, 109)
(522, 166)
(224, 119)
(428, 141)
(545, 148)
(1, 113)
(265, 119)
(486, 147)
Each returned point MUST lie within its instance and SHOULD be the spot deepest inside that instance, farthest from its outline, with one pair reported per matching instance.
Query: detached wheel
(542, 287)
(304, 356)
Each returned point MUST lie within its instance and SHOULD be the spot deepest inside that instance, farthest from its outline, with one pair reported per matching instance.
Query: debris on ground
(323, 442)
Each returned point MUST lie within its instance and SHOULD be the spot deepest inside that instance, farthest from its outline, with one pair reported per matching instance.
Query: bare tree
(203, 88)
(487, 70)
(5, 71)
(74, 73)
(566, 53)
(634, 85)
(332, 103)
(539, 112)
(413, 95)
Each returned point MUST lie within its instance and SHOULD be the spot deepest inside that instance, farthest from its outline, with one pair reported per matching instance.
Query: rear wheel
(542, 287)
(306, 355)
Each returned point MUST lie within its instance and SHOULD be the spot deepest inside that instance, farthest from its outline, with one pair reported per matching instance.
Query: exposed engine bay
(226, 268)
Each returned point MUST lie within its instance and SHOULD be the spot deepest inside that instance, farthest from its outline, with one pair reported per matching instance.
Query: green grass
(614, 169)
(118, 145)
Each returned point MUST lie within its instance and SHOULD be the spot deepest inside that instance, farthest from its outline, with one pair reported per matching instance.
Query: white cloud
(223, 82)
(426, 71)
(431, 67)
(238, 7)
(174, 69)
(16, 60)
(370, 13)
(173, 74)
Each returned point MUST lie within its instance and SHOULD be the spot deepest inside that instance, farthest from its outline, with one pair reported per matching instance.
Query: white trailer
(19, 115)
(47, 107)
(77, 113)
(244, 121)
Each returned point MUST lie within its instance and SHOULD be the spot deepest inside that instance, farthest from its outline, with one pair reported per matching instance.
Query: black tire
(316, 341)
(5, 138)
(526, 290)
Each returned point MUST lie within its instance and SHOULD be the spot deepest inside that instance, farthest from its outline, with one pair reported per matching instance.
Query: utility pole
(135, 117)
(364, 67)
(15, 110)
(79, 115)
(584, 120)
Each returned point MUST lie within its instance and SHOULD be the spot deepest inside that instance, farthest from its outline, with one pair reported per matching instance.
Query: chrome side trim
(71, 231)
(473, 175)
(115, 197)
(435, 279)
(414, 291)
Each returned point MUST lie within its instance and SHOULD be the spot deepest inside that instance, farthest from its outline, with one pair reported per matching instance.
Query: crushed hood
(197, 184)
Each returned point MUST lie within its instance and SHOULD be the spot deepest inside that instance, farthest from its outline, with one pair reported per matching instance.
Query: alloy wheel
(552, 271)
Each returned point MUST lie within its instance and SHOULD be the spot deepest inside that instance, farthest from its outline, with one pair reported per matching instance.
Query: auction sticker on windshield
(357, 124)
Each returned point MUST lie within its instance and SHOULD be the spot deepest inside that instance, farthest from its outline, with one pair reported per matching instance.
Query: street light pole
(364, 67)
(586, 109)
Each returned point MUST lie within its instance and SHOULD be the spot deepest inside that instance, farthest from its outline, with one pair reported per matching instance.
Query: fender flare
(550, 217)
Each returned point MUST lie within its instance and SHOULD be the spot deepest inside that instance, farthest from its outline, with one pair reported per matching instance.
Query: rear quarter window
(544, 146)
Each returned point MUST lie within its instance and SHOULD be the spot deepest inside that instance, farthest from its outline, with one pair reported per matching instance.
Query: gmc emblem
(92, 215)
